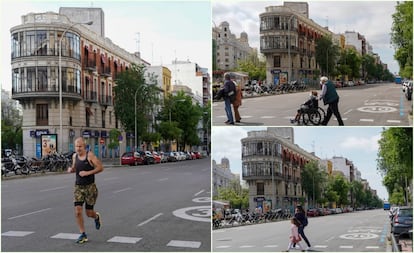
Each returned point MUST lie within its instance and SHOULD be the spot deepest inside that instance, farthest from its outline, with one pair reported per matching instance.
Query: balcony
(106, 71)
(106, 100)
(47, 92)
(90, 96)
(261, 175)
(90, 65)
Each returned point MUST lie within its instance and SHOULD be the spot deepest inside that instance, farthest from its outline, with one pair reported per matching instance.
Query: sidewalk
(111, 162)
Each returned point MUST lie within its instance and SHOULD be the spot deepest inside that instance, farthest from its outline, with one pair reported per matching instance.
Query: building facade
(229, 49)
(89, 64)
(271, 166)
(288, 40)
(222, 175)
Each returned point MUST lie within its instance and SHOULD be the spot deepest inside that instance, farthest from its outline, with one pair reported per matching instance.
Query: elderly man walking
(331, 98)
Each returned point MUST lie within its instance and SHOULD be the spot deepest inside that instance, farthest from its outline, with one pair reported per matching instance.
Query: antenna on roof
(137, 40)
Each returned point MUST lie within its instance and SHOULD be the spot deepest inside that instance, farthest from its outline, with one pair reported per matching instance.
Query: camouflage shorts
(86, 193)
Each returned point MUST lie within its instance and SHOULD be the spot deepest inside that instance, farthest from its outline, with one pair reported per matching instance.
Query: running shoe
(98, 221)
(82, 238)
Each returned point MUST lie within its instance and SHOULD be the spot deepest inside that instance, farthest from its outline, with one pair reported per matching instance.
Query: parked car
(157, 157)
(193, 156)
(409, 90)
(198, 155)
(147, 156)
(181, 156)
(402, 221)
(129, 158)
(313, 212)
(351, 83)
(164, 157)
(171, 157)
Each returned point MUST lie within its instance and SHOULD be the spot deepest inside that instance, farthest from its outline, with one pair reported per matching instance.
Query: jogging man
(86, 165)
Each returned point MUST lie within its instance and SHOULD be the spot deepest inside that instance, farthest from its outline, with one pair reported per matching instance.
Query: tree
(255, 68)
(113, 140)
(326, 54)
(238, 197)
(341, 186)
(129, 83)
(313, 180)
(402, 37)
(395, 159)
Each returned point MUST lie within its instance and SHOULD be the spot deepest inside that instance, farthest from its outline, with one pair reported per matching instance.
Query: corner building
(271, 166)
(288, 40)
(89, 63)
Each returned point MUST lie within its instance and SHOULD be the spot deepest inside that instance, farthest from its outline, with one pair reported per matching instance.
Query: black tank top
(81, 165)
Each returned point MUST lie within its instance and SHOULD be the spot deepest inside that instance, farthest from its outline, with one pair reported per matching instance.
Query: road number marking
(195, 213)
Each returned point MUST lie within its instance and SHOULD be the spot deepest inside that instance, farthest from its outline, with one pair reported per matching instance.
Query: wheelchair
(311, 115)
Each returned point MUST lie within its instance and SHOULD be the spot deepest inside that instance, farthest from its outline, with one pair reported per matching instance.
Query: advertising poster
(49, 143)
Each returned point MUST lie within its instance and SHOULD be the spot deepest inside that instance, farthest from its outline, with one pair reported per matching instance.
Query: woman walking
(301, 216)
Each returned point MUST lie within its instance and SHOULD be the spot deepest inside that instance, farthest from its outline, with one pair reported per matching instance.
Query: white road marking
(69, 236)
(52, 189)
(198, 193)
(150, 219)
(350, 110)
(196, 213)
(246, 246)
(372, 247)
(346, 247)
(271, 246)
(124, 239)
(366, 120)
(122, 190)
(330, 239)
(184, 244)
(394, 121)
(223, 247)
(320, 246)
(268, 117)
(162, 179)
(202, 200)
(26, 214)
(17, 233)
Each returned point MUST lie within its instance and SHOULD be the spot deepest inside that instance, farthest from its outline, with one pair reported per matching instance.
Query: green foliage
(255, 68)
(238, 197)
(326, 53)
(313, 180)
(341, 186)
(395, 158)
(113, 138)
(133, 82)
(402, 37)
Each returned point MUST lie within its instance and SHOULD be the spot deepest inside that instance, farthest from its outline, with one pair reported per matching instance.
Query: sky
(373, 20)
(167, 30)
(358, 144)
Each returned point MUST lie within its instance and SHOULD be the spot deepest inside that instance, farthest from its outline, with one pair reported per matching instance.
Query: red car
(198, 155)
(157, 157)
(129, 158)
(312, 212)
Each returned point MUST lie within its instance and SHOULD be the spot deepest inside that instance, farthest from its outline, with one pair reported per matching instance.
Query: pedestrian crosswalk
(114, 239)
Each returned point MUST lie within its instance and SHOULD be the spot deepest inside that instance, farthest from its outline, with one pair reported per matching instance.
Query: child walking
(294, 237)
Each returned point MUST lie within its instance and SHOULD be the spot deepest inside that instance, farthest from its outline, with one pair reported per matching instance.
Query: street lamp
(60, 78)
(135, 122)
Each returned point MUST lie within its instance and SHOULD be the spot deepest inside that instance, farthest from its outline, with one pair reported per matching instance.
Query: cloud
(364, 144)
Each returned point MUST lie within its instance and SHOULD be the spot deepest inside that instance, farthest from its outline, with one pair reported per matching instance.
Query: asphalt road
(367, 105)
(163, 207)
(364, 231)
